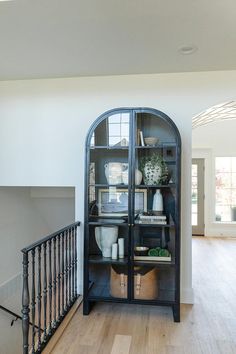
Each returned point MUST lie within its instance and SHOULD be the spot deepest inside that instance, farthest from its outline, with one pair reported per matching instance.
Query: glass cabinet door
(108, 207)
(109, 170)
(153, 234)
(108, 178)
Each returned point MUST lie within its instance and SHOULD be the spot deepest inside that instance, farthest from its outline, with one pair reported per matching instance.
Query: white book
(153, 217)
(150, 258)
(159, 222)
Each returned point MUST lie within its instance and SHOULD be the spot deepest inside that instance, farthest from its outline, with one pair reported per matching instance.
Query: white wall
(55, 206)
(19, 226)
(43, 125)
(215, 139)
(25, 216)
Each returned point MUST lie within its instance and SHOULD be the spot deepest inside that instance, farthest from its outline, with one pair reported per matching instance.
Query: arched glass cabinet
(132, 209)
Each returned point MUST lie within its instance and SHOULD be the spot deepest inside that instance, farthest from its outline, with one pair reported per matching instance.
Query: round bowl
(151, 140)
(141, 251)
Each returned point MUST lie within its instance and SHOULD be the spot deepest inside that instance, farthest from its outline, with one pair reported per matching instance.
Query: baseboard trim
(187, 296)
(57, 335)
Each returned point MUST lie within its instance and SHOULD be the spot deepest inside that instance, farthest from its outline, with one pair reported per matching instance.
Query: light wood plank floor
(207, 327)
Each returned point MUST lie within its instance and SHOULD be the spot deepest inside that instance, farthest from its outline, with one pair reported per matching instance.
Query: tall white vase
(157, 201)
(105, 236)
(138, 176)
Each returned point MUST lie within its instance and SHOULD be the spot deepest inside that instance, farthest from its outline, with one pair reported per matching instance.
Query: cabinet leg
(86, 307)
(176, 312)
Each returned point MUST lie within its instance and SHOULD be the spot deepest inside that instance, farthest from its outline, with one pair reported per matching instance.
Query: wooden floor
(207, 327)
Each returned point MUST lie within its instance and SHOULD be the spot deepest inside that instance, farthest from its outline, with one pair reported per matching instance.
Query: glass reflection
(118, 129)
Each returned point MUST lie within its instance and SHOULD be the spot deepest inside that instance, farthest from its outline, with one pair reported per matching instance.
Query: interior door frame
(199, 229)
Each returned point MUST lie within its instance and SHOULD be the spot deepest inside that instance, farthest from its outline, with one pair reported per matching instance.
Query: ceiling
(219, 113)
(65, 38)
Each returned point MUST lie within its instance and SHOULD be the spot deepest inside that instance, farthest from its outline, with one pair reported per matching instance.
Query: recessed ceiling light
(187, 49)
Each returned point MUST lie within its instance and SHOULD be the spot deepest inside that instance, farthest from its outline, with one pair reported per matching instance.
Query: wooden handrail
(47, 238)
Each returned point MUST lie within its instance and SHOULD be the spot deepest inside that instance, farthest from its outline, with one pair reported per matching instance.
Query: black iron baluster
(50, 286)
(54, 285)
(39, 298)
(59, 276)
(45, 291)
(25, 304)
(54, 282)
(33, 303)
(73, 261)
(63, 275)
(66, 265)
(69, 249)
(76, 261)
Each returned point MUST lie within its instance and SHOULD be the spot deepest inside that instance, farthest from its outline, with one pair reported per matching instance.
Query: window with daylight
(225, 206)
(194, 195)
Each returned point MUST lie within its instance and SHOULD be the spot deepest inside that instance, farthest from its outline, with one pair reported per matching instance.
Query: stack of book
(152, 219)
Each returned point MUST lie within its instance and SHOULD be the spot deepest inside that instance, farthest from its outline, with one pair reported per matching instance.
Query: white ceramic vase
(105, 236)
(138, 176)
(157, 201)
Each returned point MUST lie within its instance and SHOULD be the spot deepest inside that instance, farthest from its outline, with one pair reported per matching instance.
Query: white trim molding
(187, 296)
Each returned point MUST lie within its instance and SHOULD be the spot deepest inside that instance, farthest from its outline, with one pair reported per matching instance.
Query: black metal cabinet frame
(132, 149)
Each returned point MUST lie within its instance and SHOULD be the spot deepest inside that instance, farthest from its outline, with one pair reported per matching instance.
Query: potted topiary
(154, 169)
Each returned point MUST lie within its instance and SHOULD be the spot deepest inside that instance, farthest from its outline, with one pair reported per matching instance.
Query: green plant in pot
(154, 169)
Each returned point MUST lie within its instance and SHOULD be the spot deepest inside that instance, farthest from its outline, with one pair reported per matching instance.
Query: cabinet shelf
(105, 185)
(107, 147)
(158, 146)
(158, 264)
(107, 222)
(137, 186)
(159, 186)
(153, 225)
(98, 259)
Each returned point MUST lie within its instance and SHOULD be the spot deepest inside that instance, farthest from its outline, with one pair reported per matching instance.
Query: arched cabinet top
(130, 121)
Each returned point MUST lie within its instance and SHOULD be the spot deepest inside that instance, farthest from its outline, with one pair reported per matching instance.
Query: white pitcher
(113, 172)
(105, 236)
(138, 176)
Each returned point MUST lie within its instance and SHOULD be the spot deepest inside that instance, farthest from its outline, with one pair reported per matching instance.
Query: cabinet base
(176, 312)
(87, 307)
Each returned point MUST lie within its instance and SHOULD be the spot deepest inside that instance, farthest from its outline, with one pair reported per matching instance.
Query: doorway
(198, 224)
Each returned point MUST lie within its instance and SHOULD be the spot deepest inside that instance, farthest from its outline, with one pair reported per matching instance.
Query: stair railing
(49, 286)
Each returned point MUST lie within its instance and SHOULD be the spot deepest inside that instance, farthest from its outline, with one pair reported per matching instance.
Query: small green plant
(150, 164)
